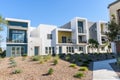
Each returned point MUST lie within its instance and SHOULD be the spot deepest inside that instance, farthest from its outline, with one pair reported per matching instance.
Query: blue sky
(55, 12)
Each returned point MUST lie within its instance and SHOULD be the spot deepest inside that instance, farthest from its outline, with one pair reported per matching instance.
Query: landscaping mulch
(32, 70)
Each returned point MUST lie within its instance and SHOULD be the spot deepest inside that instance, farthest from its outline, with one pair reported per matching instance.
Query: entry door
(60, 50)
(36, 50)
(16, 51)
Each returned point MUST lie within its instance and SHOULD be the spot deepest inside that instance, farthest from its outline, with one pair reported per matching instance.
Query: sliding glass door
(16, 51)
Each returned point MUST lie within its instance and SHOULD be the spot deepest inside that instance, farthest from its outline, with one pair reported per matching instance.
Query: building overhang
(113, 3)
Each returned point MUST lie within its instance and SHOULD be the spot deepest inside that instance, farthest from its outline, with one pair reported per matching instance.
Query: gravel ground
(32, 70)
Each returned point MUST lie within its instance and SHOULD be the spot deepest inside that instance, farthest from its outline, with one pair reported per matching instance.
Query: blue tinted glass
(13, 23)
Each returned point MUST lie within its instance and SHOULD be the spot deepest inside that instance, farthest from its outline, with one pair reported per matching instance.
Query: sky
(55, 12)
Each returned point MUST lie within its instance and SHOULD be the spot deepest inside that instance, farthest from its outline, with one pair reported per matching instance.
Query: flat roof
(113, 3)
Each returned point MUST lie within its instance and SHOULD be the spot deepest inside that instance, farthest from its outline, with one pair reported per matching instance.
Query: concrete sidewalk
(103, 71)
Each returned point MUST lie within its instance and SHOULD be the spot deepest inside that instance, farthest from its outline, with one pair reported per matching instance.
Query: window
(72, 49)
(13, 51)
(118, 37)
(67, 49)
(49, 36)
(80, 27)
(22, 50)
(18, 36)
(46, 50)
(49, 50)
(53, 50)
(80, 48)
(64, 39)
(118, 13)
(102, 48)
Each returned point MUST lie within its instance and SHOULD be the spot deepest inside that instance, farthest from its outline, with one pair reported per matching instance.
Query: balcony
(15, 41)
(82, 41)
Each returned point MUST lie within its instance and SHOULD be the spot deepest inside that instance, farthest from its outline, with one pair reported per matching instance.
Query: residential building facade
(71, 37)
(17, 37)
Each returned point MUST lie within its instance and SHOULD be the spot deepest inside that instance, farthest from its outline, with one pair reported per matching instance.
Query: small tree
(113, 31)
(93, 44)
(3, 23)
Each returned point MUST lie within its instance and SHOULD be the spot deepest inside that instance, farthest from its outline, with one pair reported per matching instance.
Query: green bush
(13, 63)
(47, 57)
(11, 58)
(50, 71)
(16, 71)
(24, 55)
(78, 75)
(23, 58)
(41, 61)
(36, 58)
(83, 69)
(67, 58)
(73, 65)
(55, 61)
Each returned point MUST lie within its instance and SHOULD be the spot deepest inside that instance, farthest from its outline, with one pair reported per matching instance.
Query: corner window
(49, 36)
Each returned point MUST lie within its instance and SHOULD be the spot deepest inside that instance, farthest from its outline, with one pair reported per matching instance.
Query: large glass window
(80, 27)
(18, 36)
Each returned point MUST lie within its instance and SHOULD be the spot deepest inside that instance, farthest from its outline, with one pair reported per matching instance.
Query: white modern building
(71, 37)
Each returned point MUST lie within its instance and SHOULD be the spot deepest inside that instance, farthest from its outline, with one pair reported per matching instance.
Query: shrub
(73, 65)
(24, 55)
(67, 58)
(85, 64)
(16, 71)
(78, 75)
(46, 58)
(50, 71)
(23, 58)
(13, 63)
(41, 61)
(55, 62)
(35, 58)
(83, 69)
(11, 58)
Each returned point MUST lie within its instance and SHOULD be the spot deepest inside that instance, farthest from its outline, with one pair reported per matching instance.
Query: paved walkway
(103, 71)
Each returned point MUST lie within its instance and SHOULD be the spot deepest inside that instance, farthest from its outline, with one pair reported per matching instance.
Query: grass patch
(17, 71)
(36, 58)
(73, 65)
(78, 75)
(83, 69)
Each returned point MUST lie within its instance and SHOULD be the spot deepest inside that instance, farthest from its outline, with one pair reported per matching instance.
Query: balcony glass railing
(15, 41)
